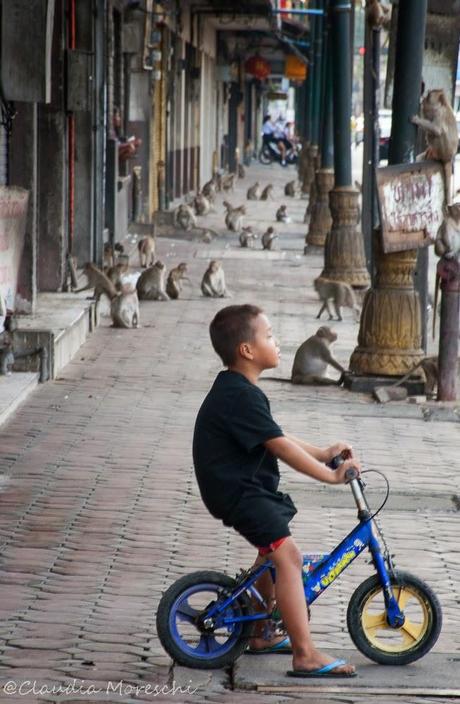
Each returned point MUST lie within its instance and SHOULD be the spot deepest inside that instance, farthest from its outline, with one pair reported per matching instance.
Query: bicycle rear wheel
(179, 628)
(376, 639)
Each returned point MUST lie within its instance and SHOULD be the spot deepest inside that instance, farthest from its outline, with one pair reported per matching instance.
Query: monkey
(115, 274)
(281, 215)
(174, 281)
(439, 123)
(146, 248)
(340, 292)
(313, 357)
(377, 14)
(267, 192)
(151, 283)
(253, 193)
(241, 171)
(124, 308)
(234, 217)
(201, 204)
(228, 182)
(111, 253)
(209, 191)
(208, 237)
(290, 189)
(430, 368)
(184, 217)
(217, 178)
(268, 238)
(247, 237)
(447, 243)
(213, 282)
(99, 282)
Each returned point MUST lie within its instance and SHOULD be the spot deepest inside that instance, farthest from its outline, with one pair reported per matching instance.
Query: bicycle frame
(323, 573)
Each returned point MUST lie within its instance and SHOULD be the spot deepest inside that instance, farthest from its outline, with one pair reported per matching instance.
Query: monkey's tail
(448, 179)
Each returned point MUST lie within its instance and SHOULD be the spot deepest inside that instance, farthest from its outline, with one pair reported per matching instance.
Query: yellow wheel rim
(396, 640)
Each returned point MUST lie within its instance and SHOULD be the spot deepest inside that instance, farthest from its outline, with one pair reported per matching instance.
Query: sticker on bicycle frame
(338, 567)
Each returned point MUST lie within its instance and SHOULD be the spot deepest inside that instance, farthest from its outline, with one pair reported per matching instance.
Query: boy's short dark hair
(232, 326)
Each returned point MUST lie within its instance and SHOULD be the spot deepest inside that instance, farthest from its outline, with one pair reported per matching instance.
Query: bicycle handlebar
(336, 461)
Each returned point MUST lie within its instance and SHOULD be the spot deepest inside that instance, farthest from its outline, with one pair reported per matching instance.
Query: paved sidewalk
(100, 511)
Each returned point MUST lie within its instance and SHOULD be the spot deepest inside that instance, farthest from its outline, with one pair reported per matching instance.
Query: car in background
(385, 131)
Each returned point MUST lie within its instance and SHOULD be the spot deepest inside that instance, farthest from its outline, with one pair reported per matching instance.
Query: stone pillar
(320, 213)
(344, 249)
(389, 341)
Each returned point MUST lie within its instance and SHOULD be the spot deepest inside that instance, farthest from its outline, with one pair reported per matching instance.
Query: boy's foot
(337, 668)
(273, 646)
(317, 661)
(261, 645)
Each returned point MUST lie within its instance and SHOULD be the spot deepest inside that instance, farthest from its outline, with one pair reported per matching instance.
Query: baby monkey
(268, 238)
(281, 215)
(175, 278)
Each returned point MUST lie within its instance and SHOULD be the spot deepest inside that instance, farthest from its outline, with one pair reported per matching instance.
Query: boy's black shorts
(262, 518)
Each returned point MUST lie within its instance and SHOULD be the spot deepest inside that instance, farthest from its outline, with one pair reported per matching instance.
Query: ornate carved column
(320, 213)
(390, 334)
(344, 251)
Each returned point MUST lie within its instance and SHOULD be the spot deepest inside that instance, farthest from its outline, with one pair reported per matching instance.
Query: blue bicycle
(205, 619)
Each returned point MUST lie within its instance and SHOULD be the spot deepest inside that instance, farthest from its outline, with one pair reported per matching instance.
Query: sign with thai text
(411, 199)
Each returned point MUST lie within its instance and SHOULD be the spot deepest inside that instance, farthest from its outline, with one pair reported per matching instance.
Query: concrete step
(14, 389)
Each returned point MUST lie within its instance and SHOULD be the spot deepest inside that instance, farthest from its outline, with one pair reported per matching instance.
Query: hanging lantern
(295, 69)
(258, 67)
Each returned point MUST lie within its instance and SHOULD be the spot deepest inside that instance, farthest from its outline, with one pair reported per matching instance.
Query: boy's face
(264, 349)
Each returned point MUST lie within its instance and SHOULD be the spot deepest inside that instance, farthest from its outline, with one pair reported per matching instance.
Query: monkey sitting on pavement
(241, 171)
(146, 249)
(290, 189)
(202, 204)
(174, 281)
(209, 191)
(313, 358)
(213, 282)
(430, 368)
(253, 193)
(247, 237)
(111, 253)
(151, 283)
(267, 192)
(281, 215)
(184, 217)
(268, 238)
(340, 293)
(228, 182)
(234, 217)
(124, 308)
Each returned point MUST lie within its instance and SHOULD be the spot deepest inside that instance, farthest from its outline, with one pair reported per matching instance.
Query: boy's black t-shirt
(228, 453)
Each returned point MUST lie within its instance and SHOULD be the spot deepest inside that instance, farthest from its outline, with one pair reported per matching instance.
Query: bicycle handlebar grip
(335, 462)
(351, 474)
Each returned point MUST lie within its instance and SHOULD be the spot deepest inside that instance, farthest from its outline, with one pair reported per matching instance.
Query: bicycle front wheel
(376, 639)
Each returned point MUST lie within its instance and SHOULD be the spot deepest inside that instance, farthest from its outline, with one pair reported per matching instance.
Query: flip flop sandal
(326, 671)
(283, 647)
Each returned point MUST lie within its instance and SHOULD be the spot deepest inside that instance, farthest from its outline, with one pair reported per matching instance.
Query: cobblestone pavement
(100, 511)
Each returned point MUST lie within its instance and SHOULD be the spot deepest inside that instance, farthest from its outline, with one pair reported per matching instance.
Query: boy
(236, 446)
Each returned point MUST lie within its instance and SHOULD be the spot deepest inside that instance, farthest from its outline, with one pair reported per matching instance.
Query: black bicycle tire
(265, 158)
(162, 621)
(355, 629)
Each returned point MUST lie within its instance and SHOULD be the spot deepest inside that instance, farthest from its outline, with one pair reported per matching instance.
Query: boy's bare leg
(266, 589)
(290, 599)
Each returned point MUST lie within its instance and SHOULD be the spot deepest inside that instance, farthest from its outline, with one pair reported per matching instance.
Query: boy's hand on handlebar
(338, 449)
(340, 474)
